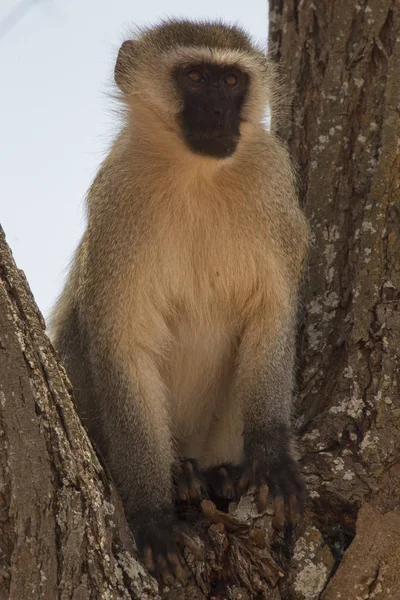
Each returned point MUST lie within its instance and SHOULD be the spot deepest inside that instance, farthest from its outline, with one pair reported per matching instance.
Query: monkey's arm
(264, 385)
(134, 439)
(118, 387)
(134, 429)
(135, 432)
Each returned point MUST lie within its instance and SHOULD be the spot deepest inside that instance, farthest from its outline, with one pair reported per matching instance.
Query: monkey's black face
(213, 97)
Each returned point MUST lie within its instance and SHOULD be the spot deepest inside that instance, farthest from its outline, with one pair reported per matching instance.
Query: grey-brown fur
(177, 323)
(188, 33)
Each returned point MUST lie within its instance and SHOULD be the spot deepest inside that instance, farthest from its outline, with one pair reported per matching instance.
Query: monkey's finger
(244, 482)
(208, 507)
(183, 492)
(278, 521)
(228, 491)
(301, 503)
(180, 572)
(164, 571)
(293, 511)
(195, 548)
(148, 559)
(227, 487)
(301, 495)
(193, 482)
(178, 474)
(262, 497)
(189, 486)
(195, 491)
(186, 539)
(167, 577)
(188, 469)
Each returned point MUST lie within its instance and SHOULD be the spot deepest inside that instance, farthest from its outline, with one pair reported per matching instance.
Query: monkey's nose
(222, 117)
(218, 115)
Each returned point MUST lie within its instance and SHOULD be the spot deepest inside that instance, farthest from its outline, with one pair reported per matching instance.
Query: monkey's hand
(160, 538)
(279, 475)
(157, 546)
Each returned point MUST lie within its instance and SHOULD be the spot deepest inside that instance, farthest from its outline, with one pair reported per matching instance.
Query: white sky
(56, 117)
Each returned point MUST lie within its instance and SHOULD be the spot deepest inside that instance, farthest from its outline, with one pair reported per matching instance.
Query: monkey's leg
(138, 450)
(261, 398)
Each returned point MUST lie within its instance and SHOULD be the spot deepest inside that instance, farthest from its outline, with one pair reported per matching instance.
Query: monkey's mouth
(211, 135)
(212, 143)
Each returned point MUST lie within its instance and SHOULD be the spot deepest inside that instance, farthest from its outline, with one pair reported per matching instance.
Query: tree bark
(62, 529)
(342, 65)
(63, 534)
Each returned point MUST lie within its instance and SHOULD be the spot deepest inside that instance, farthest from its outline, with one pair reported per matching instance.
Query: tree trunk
(342, 62)
(62, 530)
(63, 534)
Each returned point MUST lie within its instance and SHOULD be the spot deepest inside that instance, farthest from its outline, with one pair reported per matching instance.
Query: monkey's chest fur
(210, 277)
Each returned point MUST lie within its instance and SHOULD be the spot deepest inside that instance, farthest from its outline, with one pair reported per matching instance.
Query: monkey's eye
(196, 76)
(230, 79)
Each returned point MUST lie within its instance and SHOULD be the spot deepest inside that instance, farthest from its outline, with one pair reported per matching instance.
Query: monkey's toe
(189, 485)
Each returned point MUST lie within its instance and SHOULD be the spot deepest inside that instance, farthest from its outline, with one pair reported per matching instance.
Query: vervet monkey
(177, 322)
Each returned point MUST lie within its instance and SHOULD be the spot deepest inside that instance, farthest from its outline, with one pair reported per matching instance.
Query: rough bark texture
(342, 64)
(62, 530)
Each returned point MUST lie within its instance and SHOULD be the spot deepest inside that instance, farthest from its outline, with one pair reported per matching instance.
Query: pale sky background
(57, 119)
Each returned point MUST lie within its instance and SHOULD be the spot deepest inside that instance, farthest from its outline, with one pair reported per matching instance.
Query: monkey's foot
(160, 540)
(188, 481)
(222, 481)
(281, 477)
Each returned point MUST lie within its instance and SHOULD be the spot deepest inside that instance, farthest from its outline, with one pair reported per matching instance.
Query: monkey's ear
(124, 67)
